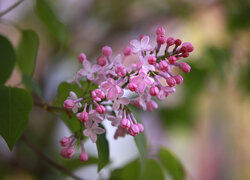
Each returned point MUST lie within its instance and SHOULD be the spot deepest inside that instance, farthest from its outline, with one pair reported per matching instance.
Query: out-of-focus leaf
(74, 164)
(31, 85)
(171, 164)
(140, 140)
(129, 171)
(27, 52)
(243, 79)
(15, 105)
(102, 145)
(7, 59)
(152, 170)
(54, 26)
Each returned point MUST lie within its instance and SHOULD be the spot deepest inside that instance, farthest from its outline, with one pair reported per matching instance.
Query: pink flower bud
(170, 41)
(132, 86)
(83, 156)
(141, 128)
(152, 60)
(161, 39)
(82, 57)
(127, 51)
(125, 123)
(185, 67)
(67, 152)
(101, 61)
(154, 91)
(100, 109)
(68, 104)
(98, 94)
(163, 66)
(106, 51)
(171, 81)
(160, 31)
(134, 130)
(178, 78)
(172, 59)
(120, 71)
(185, 54)
(65, 141)
(177, 42)
(83, 116)
(187, 47)
(142, 36)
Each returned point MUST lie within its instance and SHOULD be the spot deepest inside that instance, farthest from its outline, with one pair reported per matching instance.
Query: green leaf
(15, 105)
(73, 164)
(54, 26)
(140, 140)
(27, 52)
(7, 60)
(152, 171)
(171, 164)
(31, 85)
(103, 150)
(129, 171)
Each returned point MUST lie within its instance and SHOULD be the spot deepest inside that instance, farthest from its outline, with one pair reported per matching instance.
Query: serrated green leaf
(52, 23)
(31, 85)
(27, 52)
(7, 59)
(103, 150)
(15, 105)
(171, 164)
(152, 171)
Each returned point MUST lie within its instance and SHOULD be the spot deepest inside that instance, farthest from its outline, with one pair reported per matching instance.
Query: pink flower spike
(112, 88)
(134, 130)
(65, 141)
(93, 131)
(68, 104)
(120, 71)
(161, 39)
(152, 60)
(163, 66)
(67, 152)
(141, 128)
(127, 51)
(172, 59)
(101, 61)
(160, 31)
(178, 78)
(170, 41)
(106, 51)
(132, 87)
(142, 45)
(154, 91)
(177, 42)
(82, 57)
(100, 109)
(184, 67)
(125, 123)
(83, 156)
(171, 81)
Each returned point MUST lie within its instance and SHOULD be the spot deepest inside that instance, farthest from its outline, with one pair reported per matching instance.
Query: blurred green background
(206, 123)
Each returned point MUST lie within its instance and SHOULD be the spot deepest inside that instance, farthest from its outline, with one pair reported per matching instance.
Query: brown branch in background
(11, 8)
(48, 160)
(48, 107)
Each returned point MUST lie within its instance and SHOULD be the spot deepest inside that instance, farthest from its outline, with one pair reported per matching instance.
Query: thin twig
(11, 8)
(48, 160)
(49, 107)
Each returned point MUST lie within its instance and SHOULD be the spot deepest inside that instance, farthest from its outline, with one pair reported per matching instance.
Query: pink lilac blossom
(113, 77)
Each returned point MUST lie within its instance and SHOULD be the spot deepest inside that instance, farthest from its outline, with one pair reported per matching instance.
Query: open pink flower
(141, 45)
(118, 101)
(74, 97)
(112, 88)
(93, 117)
(164, 91)
(88, 70)
(93, 131)
(141, 81)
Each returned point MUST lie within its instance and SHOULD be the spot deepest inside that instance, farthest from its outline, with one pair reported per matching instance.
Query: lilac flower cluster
(149, 77)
